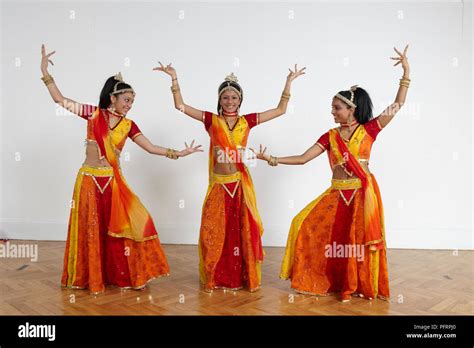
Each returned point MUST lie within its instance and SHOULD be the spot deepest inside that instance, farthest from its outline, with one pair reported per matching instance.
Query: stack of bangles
(405, 82)
(48, 79)
(285, 96)
(171, 154)
(273, 161)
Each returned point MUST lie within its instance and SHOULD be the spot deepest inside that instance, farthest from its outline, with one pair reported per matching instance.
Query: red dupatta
(128, 217)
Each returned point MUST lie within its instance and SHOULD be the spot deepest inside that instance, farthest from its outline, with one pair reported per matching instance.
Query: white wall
(423, 160)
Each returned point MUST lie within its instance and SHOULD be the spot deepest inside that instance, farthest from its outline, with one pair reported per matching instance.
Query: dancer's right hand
(167, 69)
(45, 59)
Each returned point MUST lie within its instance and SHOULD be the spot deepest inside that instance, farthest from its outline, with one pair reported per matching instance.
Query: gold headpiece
(119, 78)
(347, 101)
(231, 78)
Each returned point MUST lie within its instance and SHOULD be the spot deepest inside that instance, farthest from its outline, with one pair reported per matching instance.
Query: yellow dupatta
(128, 217)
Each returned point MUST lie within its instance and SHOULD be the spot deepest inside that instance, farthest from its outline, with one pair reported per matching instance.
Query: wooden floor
(423, 282)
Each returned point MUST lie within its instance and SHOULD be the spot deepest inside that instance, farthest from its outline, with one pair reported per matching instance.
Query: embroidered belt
(99, 172)
(224, 179)
(345, 187)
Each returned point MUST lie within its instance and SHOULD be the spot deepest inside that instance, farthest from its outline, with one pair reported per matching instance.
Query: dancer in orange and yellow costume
(336, 244)
(230, 246)
(112, 239)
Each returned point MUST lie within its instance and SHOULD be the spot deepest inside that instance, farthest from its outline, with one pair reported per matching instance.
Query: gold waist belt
(96, 171)
(347, 184)
(225, 178)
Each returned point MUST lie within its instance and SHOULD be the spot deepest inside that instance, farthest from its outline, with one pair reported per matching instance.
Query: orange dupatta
(372, 213)
(128, 217)
(220, 137)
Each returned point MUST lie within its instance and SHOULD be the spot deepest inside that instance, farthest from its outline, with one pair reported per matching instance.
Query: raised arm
(149, 147)
(53, 89)
(310, 154)
(389, 113)
(285, 97)
(177, 96)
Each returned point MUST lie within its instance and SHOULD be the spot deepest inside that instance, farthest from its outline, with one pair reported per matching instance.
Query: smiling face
(122, 103)
(230, 101)
(341, 111)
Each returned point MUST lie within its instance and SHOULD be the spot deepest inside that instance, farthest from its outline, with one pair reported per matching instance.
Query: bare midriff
(92, 155)
(223, 166)
(339, 173)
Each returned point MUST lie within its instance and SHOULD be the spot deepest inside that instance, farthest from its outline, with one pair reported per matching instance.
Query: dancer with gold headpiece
(111, 236)
(336, 244)
(230, 247)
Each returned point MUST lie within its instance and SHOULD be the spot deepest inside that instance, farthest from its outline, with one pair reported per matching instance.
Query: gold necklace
(230, 128)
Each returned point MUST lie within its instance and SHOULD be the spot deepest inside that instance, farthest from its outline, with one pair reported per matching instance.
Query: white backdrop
(423, 159)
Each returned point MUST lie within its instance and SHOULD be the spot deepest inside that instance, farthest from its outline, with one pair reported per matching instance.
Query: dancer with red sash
(336, 244)
(230, 246)
(112, 239)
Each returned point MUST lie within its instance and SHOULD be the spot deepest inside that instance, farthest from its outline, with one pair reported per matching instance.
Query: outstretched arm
(149, 147)
(389, 113)
(310, 154)
(177, 97)
(285, 97)
(53, 89)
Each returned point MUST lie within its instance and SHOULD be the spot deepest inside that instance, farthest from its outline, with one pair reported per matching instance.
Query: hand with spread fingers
(190, 149)
(294, 74)
(167, 70)
(402, 59)
(261, 154)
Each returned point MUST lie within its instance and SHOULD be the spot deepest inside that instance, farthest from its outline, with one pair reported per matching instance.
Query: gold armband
(285, 96)
(175, 89)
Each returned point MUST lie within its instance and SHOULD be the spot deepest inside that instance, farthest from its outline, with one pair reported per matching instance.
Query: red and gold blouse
(123, 129)
(360, 143)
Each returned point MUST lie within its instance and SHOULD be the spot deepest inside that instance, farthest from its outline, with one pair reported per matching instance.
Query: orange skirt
(94, 259)
(227, 259)
(325, 252)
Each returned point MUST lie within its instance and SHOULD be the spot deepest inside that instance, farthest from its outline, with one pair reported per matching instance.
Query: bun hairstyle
(359, 99)
(113, 86)
(230, 83)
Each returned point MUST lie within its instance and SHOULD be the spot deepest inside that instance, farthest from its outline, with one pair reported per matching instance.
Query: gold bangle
(405, 80)
(48, 79)
(171, 154)
(273, 161)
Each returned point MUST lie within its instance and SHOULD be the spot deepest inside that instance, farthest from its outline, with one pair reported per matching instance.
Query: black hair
(363, 111)
(229, 84)
(104, 101)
